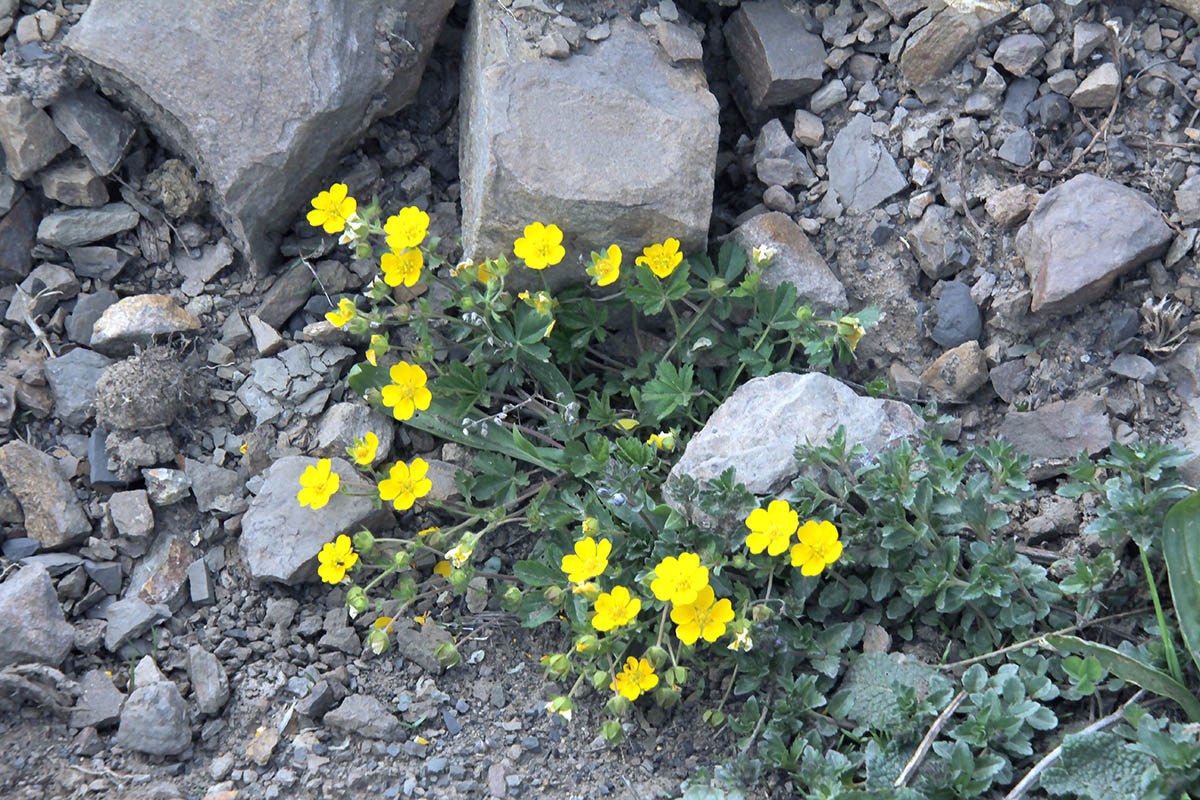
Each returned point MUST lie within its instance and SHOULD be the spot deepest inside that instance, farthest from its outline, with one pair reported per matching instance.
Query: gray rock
(101, 262)
(1183, 370)
(1083, 235)
(266, 339)
(861, 171)
(146, 672)
(1086, 38)
(88, 309)
(317, 702)
(1009, 378)
(1059, 430)
(1011, 205)
(44, 287)
(1134, 367)
(1187, 200)
(74, 183)
(166, 486)
(257, 115)
(1017, 148)
(18, 228)
(90, 123)
(204, 267)
(773, 144)
(131, 516)
(344, 422)
(365, 716)
(959, 319)
(53, 514)
(1099, 88)
(779, 59)
(632, 165)
(86, 225)
(933, 50)
(1020, 53)
(777, 198)
(106, 574)
(160, 576)
(827, 96)
(216, 488)
(287, 295)
(10, 193)
(679, 42)
(280, 538)
(99, 473)
(99, 705)
(19, 548)
(72, 378)
(344, 639)
(1017, 99)
(807, 129)
(200, 584)
(757, 429)
(936, 245)
(958, 373)
(128, 619)
(1040, 17)
(33, 629)
(137, 321)
(154, 721)
(209, 681)
(796, 261)
(28, 137)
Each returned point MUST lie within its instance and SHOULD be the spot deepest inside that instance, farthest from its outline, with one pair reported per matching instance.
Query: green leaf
(537, 574)
(670, 389)
(364, 377)
(1098, 766)
(1181, 550)
(870, 696)
(1130, 669)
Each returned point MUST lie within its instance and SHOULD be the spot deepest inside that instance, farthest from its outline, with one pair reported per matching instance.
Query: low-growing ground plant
(573, 406)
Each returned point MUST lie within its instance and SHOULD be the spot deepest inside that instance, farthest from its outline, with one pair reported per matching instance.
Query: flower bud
(587, 643)
(511, 598)
(617, 705)
(405, 589)
(738, 561)
(364, 542)
(553, 595)
(761, 613)
(611, 731)
(657, 656)
(591, 526)
(562, 706)
(804, 313)
(356, 600)
(717, 287)
(714, 717)
(447, 654)
(467, 303)
(459, 578)
(362, 251)
(850, 329)
(665, 696)
(556, 664)
(679, 676)
(378, 641)
(402, 559)
(600, 680)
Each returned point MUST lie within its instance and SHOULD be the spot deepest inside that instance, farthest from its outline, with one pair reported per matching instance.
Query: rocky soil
(1017, 187)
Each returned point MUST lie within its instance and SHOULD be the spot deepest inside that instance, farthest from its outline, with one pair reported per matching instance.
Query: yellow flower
(679, 580)
(345, 312)
(626, 424)
(662, 259)
(764, 255)
(405, 483)
(589, 560)
(364, 449)
(402, 268)
(702, 618)
(589, 590)
(382, 623)
(541, 302)
(331, 209)
(406, 229)
(319, 484)
(442, 568)
(607, 268)
(662, 441)
(818, 547)
(407, 392)
(378, 344)
(850, 329)
(541, 246)
(772, 527)
(242, 448)
(615, 608)
(336, 557)
(636, 677)
(458, 555)
(428, 531)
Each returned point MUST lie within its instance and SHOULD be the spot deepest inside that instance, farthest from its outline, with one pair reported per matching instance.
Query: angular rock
(419, 644)
(200, 584)
(680, 43)
(128, 619)
(959, 319)
(99, 706)
(53, 514)
(101, 262)
(28, 137)
(1011, 205)
(88, 309)
(632, 164)
(1020, 53)
(1017, 148)
(166, 486)
(1083, 235)
(44, 287)
(18, 229)
(1059, 430)
(146, 672)
(1183, 369)
(757, 429)
(861, 170)
(933, 50)
(796, 261)
(828, 96)
(317, 702)
(138, 320)
(345, 422)
(958, 373)
(1099, 88)
(280, 538)
(363, 715)
(209, 681)
(934, 241)
(160, 577)
(1134, 367)
(205, 266)
(807, 129)
(774, 144)
(258, 116)
(1009, 378)
(33, 629)
(1187, 200)
(90, 123)
(154, 721)
(74, 184)
(779, 59)
(72, 378)
(216, 488)
(86, 225)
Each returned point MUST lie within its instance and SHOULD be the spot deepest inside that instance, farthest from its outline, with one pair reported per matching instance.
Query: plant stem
(681, 335)
(1168, 645)
(930, 736)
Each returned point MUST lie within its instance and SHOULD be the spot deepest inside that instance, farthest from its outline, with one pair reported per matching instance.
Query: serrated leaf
(869, 685)
(536, 574)
(1181, 551)
(1098, 766)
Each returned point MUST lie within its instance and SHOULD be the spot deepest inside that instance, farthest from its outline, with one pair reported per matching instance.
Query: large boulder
(260, 97)
(614, 144)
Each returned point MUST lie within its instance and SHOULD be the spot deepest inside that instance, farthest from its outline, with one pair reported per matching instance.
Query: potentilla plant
(573, 428)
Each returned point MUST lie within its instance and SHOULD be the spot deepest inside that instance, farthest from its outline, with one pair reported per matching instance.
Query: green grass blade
(1130, 669)
(1181, 549)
